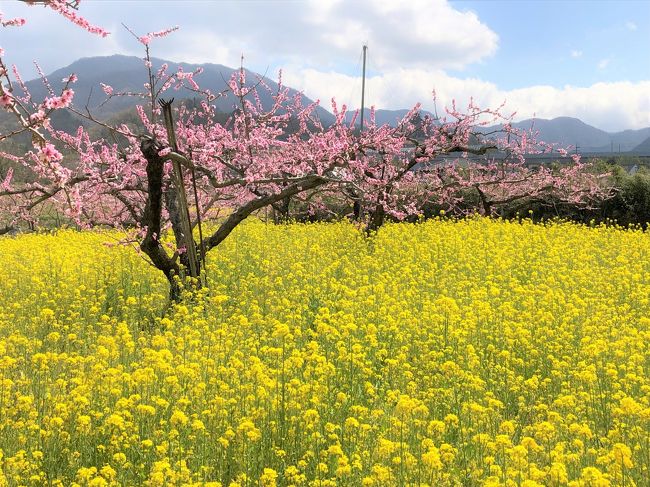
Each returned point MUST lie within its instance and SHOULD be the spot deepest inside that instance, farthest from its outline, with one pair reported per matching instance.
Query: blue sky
(546, 58)
(564, 42)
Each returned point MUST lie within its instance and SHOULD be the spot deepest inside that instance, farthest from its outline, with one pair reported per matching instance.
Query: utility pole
(356, 207)
(363, 84)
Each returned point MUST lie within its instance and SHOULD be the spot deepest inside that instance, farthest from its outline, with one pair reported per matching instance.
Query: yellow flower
(178, 418)
(119, 458)
(269, 477)
(425, 355)
(593, 477)
(432, 458)
(622, 455)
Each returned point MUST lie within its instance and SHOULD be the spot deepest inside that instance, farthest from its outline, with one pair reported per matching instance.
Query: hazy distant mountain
(127, 73)
(643, 146)
(390, 117)
(567, 131)
(564, 131)
(629, 138)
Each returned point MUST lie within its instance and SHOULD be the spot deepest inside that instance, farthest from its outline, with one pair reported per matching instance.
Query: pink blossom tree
(184, 165)
(454, 163)
(450, 160)
(32, 116)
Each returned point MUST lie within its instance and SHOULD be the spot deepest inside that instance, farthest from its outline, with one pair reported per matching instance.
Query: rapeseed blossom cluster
(439, 354)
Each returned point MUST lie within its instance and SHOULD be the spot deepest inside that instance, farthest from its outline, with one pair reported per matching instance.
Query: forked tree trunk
(151, 219)
(356, 210)
(281, 210)
(377, 218)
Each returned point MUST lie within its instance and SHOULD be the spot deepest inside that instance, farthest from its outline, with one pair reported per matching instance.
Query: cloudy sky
(545, 58)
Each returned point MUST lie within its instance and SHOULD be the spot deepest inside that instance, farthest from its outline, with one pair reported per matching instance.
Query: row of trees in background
(184, 163)
(628, 204)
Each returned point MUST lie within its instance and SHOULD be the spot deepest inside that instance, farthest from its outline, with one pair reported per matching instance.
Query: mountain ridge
(126, 73)
(571, 131)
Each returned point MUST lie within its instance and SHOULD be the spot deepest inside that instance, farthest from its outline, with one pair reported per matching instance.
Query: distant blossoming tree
(184, 164)
(444, 161)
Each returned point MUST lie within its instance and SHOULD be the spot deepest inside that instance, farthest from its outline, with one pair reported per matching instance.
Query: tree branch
(243, 212)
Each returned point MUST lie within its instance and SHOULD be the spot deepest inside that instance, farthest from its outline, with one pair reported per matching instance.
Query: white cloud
(413, 45)
(410, 34)
(609, 106)
(207, 46)
(316, 33)
(631, 26)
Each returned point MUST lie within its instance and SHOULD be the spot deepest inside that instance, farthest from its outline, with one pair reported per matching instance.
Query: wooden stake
(186, 224)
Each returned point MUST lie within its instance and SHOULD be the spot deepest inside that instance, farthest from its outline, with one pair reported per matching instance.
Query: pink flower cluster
(61, 7)
(187, 76)
(37, 117)
(6, 101)
(6, 184)
(146, 39)
(56, 102)
(17, 22)
(49, 153)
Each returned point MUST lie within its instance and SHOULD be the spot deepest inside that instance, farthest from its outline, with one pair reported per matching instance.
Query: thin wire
(354, 87)
(367, 90)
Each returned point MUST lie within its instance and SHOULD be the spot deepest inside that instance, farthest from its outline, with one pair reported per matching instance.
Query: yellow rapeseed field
(469, 353)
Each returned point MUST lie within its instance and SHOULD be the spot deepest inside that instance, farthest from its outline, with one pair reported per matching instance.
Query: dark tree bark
(157, 192)
(151, 219)
(281, 210)
(243, 212)
(356, 210)
(377, 218)
(174, 210)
